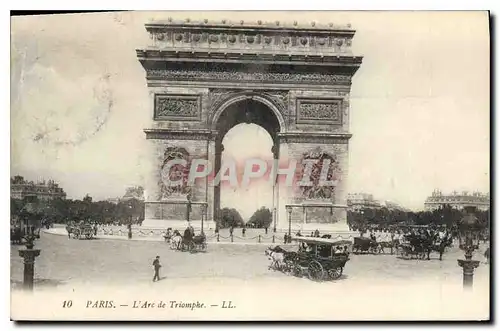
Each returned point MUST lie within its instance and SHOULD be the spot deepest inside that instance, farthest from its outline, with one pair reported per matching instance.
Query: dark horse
(423, 245)
(419, 245)
(440, 246)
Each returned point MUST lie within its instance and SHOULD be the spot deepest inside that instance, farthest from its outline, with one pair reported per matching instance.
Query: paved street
(64, 260)
(380, 287)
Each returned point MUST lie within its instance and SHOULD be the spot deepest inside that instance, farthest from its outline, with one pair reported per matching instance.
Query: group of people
(188, 233)
(313, 234)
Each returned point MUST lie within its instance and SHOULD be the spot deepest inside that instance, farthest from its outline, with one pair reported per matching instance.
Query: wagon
(196, 243)
(365, 245)
(319, 258)
(192, 244)
(81, 231)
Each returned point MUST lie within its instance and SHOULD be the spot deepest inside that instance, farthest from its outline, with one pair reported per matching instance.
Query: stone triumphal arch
(206, 77)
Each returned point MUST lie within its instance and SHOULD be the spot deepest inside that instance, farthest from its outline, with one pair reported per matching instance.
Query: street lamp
(362, 228)
(188, 209)
(275, 216)
(29, 254)
(130, 222)
(468, 242)
(217, 220)
(289, 210)
(204, 207)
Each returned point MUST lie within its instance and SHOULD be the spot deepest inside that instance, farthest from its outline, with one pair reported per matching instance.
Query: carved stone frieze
(177, 107)
(174, 178)
(271, 77)
(218, 96)
(247, 37)
(277, 97)
(322, 177)
(319, 111)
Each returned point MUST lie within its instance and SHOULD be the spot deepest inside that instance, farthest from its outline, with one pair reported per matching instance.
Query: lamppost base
(29, 255)
(468, 267)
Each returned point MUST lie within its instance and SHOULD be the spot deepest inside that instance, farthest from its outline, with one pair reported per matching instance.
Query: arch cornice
(219, 106)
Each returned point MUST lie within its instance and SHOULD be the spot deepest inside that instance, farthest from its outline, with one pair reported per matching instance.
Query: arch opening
(246, 128)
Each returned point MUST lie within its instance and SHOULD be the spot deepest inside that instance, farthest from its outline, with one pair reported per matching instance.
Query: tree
(17, 180)
(15, 206)
(261, 218)
(130, 209)
(230, 217)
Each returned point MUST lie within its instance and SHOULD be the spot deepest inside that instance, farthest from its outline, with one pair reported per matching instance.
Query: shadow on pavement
(38, 282)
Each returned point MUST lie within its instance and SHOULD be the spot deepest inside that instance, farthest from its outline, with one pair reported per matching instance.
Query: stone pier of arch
(205, 78)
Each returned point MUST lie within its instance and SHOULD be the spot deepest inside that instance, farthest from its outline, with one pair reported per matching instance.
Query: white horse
(277, 259)
(175, 242)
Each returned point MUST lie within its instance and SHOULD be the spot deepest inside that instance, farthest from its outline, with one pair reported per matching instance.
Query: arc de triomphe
(204, 78)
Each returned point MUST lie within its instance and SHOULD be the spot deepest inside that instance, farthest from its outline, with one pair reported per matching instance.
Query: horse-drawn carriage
(188, 242)
(421, 245)
(365, 245)
(317, 258)
(83, 230)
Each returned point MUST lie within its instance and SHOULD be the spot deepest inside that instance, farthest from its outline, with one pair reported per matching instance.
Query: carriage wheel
(296, 270)
(335, 273)
(88, 236)
(315, 271)
(289, 267)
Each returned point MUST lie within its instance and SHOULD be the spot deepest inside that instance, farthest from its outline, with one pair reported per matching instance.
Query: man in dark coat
(156, 266)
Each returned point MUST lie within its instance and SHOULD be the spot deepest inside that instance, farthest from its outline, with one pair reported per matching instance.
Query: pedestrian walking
(156, 266)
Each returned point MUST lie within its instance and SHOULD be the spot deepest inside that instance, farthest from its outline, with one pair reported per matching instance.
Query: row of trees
(63, 211)
(66, 210)
(261, 218)
(385, 217)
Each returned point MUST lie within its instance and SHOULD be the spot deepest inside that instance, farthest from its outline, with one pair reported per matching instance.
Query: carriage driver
(189, 232)
(191, 229)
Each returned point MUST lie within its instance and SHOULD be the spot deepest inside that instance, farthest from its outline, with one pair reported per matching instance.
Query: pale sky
(419, 104)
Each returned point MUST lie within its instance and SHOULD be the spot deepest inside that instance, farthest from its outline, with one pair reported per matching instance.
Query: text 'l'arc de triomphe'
(204, 78)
